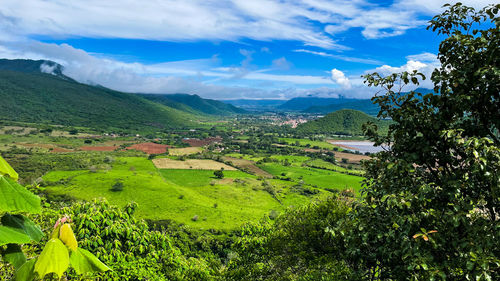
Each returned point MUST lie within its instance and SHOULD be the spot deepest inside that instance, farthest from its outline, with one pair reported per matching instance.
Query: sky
(226, 49)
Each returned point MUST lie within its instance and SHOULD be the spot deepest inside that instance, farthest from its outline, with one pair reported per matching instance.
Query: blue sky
(225, 49)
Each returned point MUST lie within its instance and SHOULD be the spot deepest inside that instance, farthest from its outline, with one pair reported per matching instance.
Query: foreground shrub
(296, 247)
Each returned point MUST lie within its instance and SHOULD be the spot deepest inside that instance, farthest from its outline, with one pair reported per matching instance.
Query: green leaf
(10, 235)
(6, 169)
(54, 258)
(84, 261)
(23, 223)
(14, 255)
(68, 237)
(15, 197)
(26, 271)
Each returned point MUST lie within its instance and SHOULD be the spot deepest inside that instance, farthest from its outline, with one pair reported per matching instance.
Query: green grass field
(179, 195)
(314, 177)
(319, 163)
(302, 142)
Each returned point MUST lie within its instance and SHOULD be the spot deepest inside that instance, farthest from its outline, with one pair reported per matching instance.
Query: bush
(118, 186)
(273, 214)
(219, 174)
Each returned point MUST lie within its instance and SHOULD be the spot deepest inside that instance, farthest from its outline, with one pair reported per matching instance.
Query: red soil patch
(201, 143)
(98, 148)
(60, 149)
(150, 147)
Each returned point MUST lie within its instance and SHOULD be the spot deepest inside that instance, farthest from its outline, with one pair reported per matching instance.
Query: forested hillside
(194, 104)
(342, 122)
(29, 96)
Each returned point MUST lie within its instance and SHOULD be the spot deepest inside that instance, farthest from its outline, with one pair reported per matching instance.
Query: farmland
(178, 195)
(192, 164)
(184, 151)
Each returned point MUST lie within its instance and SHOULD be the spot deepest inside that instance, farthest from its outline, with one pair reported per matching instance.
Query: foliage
(295, 247)
(219, 174)
(128, 247)
(59, 252)
(431, 202)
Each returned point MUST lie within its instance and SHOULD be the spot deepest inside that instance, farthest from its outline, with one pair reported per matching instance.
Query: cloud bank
(313, 22)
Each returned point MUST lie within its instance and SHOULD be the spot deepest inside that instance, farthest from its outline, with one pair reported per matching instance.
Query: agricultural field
(247, 165)
(322, 164)
(314, 177)
(184, 151)
(310, 143)
(193, 197)
(190, 164)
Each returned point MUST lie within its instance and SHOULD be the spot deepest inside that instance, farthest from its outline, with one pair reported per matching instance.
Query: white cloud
(424, 63)
(281, 64)
(230, 20)
(168, 77)
(339, 57)
(339, 78)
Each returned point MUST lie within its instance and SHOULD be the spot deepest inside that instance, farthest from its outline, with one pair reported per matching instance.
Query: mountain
(364, 105)
(256, 105)
(342, 122)
(303, 103)
(194, 104)
(29, 95)
(31, 66)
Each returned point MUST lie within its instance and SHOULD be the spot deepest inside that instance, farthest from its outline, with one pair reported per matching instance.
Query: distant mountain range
(365, 105)
(303, 103)
(256, 105)
(28, 93)
(313, 105)
(342, 122)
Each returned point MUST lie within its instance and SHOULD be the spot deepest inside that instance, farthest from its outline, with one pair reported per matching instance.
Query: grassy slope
(315, 177)
(320, 144)
(158, 193)
(45, 98)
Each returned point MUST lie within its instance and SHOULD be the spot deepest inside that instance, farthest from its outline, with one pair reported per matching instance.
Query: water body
(361, 146)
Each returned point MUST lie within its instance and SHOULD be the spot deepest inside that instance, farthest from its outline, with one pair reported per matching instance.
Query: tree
(219, 173)
(430, 208)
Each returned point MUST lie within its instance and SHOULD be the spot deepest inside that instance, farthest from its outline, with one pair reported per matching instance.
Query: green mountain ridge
(194, 104)
(341, 122)
(29, 95)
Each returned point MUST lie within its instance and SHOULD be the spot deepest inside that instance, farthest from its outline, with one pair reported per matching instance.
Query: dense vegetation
(342, 122)
(46, 98)
(194, 104)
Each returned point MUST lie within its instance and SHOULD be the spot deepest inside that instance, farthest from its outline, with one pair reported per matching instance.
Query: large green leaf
(10, 235)
(14, 255)
(54, 258)
(16, 198)
(26, 271)
(6, 169)
(84, 261)
(68, 237)
(23, 223)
